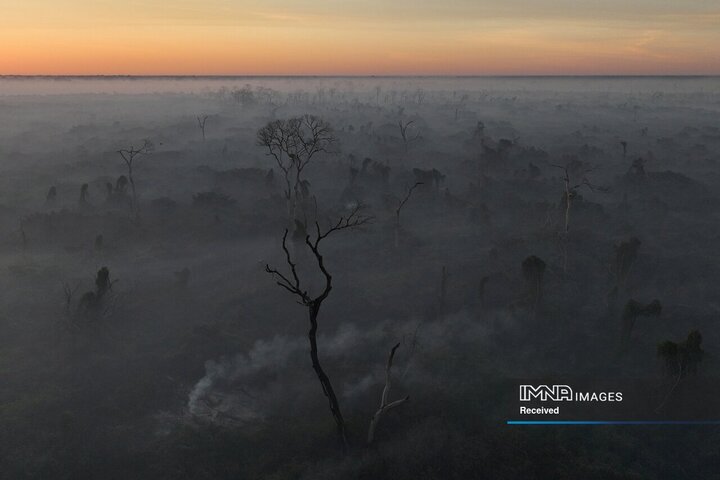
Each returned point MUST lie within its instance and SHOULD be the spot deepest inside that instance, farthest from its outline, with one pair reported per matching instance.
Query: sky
(370, 37)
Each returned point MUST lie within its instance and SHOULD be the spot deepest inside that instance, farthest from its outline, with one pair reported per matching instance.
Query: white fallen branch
(384, 405)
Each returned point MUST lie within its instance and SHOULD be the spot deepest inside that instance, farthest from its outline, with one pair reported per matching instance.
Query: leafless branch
(402, 202)
(292, 286)
(384, 404)
(352, 220)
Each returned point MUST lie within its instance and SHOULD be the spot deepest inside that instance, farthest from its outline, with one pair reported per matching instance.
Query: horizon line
(458, 76)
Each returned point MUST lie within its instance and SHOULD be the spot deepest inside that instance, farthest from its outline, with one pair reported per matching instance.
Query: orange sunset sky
(373, 37)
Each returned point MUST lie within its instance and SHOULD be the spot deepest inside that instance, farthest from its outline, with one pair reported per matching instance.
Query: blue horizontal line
(613, 422)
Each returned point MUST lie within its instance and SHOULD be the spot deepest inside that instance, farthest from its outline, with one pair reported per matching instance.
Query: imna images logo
(545, 393)
(563, 393)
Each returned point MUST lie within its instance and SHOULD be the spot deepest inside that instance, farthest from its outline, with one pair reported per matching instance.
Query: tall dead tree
(570, 193)
(201, 123)
(129, 155)
(408, 134)
(292, 283)
(385, 404)
(293, 143)
(571, 187)
(398, 210)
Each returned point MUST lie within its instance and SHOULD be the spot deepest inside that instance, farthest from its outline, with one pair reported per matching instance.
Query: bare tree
(570, 193)
(201, 123)
(291, 282)
(385, 404)
(129, 156)
(398, 210)
(571, 188)
(293, 143)
(408, 136)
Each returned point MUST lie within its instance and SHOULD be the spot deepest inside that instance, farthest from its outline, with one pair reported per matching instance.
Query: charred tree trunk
(327, 387)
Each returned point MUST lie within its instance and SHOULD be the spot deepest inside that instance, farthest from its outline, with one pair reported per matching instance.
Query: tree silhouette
(129, 155)
(292, 283)
(201, 123)
(571, 169)
(408, 135)
(572, 185)
(293, 143)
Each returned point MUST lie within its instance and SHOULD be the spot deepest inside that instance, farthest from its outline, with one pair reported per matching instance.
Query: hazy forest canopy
(168, 243)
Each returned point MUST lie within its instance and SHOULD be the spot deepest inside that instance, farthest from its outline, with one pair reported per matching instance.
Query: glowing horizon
(342, 37)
